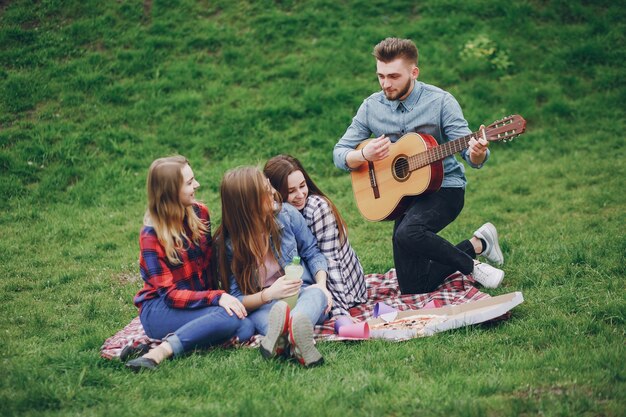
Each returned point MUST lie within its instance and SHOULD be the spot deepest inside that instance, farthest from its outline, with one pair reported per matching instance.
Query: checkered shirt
(346, 281)
(186, 285)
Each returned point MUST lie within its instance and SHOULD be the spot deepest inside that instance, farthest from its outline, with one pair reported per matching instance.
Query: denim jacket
(296, 240)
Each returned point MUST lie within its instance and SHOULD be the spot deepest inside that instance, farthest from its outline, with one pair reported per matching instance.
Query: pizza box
(426, 322)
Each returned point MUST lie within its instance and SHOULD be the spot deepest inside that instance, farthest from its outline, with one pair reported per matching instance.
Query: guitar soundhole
(401, 168)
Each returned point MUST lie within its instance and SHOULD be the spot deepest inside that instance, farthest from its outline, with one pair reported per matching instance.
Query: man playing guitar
(422, 258)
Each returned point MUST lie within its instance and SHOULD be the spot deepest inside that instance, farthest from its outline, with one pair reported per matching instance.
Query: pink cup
(381, 308)
(355, 331)
(342, 321)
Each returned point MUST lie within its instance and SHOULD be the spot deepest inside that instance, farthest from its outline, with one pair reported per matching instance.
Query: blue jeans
(186, 330)
(311, 302)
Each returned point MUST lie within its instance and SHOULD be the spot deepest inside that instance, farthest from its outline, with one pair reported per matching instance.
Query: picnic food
(414, 325)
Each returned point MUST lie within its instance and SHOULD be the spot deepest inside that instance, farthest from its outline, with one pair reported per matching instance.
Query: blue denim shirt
(296, 240)
(428, 109)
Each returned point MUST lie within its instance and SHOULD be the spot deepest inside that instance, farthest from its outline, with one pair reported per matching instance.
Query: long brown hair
(249, 220)
(165, 213)
(278, 168)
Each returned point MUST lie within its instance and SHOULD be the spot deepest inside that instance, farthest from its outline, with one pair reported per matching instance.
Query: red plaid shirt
(185, 285)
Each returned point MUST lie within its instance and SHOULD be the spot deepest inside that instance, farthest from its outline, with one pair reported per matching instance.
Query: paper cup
(381, 308)
(342, 321)
(355, 331)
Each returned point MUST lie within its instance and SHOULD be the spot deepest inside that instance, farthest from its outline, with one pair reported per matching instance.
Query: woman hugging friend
(346, 281)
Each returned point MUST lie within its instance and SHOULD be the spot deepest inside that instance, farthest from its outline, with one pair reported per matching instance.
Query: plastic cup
(381, 308)
(342, 321)
(355, 330)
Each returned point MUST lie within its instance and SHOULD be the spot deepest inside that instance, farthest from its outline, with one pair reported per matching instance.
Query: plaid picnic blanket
(456, 289)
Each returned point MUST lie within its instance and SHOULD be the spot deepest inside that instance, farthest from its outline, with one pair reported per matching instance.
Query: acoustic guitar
(414, 166)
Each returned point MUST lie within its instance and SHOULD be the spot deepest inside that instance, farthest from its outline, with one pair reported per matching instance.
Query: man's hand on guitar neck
(374, 150)
(477, 148)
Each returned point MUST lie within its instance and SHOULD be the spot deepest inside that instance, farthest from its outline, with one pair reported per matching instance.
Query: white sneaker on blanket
(487, 275)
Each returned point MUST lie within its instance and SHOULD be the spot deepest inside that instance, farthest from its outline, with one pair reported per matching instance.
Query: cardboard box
(426, 322)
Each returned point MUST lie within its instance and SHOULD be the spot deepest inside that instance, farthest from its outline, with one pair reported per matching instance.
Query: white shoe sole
(301, 338)
(278, 325)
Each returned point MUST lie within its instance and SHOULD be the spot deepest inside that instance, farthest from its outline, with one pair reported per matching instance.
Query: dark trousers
(422, 258)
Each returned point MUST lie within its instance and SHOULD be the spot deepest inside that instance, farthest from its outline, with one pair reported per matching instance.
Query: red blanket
(456, 289)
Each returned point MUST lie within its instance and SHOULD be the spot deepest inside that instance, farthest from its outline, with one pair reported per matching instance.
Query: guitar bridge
(372, 175)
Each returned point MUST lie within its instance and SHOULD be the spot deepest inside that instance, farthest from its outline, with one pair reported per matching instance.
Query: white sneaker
(492, 252)
(487, 275)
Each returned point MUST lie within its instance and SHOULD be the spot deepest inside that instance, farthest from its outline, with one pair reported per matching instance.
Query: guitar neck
(440, 152)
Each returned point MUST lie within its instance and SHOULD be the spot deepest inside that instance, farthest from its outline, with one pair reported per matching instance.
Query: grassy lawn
(92, 91)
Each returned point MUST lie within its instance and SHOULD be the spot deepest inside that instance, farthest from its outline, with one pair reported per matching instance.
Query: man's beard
(400, 93)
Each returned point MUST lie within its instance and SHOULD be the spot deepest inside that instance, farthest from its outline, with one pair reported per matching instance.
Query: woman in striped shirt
(346, 281)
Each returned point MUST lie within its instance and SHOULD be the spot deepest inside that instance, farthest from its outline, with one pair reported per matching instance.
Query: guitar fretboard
(438, 153)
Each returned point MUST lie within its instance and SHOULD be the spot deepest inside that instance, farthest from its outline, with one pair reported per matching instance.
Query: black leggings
(422, 258)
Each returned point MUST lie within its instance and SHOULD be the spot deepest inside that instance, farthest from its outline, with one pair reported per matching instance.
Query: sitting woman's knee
(227, 322)
(246, 330)
(317, 293)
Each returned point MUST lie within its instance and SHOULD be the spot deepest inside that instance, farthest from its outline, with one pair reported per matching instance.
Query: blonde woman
(346, 281)
(179, 302)
(258, 237)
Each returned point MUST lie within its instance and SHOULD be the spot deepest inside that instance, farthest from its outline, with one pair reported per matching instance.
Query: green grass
(92, 92)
